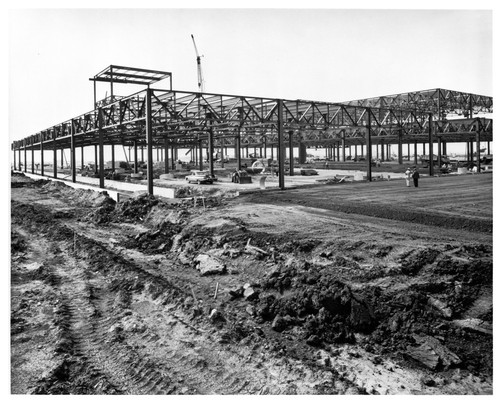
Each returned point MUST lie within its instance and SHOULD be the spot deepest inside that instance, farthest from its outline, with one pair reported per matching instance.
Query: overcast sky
(316, 54)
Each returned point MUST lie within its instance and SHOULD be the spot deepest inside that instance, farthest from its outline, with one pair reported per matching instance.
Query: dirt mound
(135, 208)
(17, 242)
(19, 180)
(325, 309)
(155, 241)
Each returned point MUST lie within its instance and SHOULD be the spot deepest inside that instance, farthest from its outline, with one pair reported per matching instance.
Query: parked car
(200, 177)
(308, 171)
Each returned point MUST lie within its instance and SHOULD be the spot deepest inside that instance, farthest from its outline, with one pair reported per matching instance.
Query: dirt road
(352, 289)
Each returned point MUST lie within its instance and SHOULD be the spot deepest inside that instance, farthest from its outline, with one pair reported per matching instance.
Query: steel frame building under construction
(169, 119)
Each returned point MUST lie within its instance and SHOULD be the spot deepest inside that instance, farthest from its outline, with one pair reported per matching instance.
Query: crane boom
(198, 63)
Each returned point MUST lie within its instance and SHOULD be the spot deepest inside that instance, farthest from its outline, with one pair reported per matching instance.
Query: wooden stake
(216, 290)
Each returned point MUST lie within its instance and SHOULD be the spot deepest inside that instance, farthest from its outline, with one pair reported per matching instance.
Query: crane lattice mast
(198, 62)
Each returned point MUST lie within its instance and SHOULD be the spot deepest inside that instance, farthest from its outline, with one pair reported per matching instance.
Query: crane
(198, 62)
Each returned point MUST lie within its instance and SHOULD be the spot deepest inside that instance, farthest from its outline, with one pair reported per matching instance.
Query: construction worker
(415, 176)
(408, 176)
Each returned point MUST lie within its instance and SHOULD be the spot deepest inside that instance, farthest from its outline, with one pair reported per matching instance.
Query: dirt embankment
(151, 297)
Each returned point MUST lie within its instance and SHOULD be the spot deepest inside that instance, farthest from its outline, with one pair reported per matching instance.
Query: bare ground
(343, 289)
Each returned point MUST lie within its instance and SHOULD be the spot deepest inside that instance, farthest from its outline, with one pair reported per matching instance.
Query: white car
(200, 177)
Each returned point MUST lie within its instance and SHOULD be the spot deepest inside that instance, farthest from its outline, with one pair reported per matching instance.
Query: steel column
(439, 152)
(113, 157)
(415, 153)
(343, 145)
(281, 148)
(211, 149)
(96, 157)
(431, 152)
(83, 159)
(14, 150)
(201, 155)
(42, 161)
(290, 154)
(172, 155)
(62, 158)
(55, 155)
(237, 148)
(101, 149)
(136, 163)
(72, 152)
(369, 145)
(149, 140)
(165, 146)
(95, 96)
(19, 154)
(32, 161)
(222, 153)
(400, 147)
(478, 152)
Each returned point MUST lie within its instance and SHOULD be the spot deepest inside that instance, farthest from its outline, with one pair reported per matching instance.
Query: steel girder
(185, 118)
(439, 102)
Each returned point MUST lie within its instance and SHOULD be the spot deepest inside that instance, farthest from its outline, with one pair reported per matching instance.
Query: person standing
(408, 176)
(415, 176)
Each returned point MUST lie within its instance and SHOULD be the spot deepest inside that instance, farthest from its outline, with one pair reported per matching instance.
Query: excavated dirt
(344, 289)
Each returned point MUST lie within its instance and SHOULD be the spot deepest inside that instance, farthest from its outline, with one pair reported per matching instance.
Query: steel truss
(165, 118)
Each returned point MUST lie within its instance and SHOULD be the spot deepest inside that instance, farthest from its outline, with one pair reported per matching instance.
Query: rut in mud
(156, 297)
